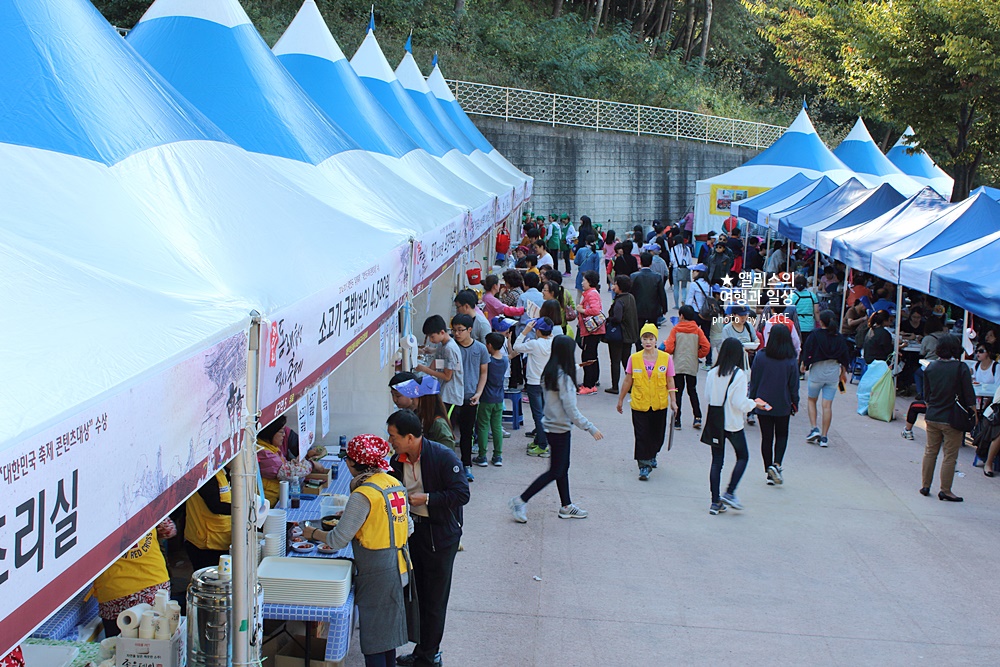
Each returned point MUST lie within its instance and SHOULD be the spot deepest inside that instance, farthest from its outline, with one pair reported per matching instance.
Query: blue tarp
(749, 209)
(820, 190)
(846, 195)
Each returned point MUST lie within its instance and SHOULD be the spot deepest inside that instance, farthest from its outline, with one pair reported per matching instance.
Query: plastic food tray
(322, 582)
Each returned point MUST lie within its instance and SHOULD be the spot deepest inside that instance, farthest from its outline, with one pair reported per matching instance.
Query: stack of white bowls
(274, 534)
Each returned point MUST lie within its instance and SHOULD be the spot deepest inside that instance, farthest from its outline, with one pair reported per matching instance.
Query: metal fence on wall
(552, 109)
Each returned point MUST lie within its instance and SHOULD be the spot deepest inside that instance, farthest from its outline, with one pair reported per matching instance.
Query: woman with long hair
(590, 306)
(552, 310)
(826, 357)
(559, 383)
(775, 378)
(948, 383)
(625, 263)
(609, 253)
(623, 317)
(726, 387)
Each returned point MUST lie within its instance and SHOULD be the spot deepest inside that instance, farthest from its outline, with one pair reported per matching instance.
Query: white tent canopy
(919, 166)
(798, 150)
(859, 152)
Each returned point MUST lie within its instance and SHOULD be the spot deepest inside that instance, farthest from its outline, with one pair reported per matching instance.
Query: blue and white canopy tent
(370, 64)
(871, 204)
(855, 247)
(137, 237)
(992, 193)
(859, 152)
(798, 150)
(213, 55)
(751, 209)
(313, 57)
(436, 82)
(836, 201)
(823, 187)
(919, 166)
(412, 80)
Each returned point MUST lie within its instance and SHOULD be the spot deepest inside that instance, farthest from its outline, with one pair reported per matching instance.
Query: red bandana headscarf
(369, 450)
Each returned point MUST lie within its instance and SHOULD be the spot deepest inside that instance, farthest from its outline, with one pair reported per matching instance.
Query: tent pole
(816, 268)
(767, 241)
(843, 298)
(965, 329)
(243, 557)
(899, 329)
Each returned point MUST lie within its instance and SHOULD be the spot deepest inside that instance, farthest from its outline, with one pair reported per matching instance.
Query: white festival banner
(81, 492)
(307, 341)
(434, 251)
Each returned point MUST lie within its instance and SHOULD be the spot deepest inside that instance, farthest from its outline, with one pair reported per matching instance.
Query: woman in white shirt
(726, 386)
(986, 369)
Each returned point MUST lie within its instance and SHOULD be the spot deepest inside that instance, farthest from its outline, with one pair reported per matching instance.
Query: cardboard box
(293, 654)
(154, 652)
(324, 478)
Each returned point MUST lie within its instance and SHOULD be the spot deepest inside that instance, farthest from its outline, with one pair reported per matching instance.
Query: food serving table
(62, 625)
(338, 640)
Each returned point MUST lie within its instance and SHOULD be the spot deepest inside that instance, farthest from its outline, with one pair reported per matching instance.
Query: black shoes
(410, 659)
(951, 499)
(925, 491)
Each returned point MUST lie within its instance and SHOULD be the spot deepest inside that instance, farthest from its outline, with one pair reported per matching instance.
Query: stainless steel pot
(210, 617)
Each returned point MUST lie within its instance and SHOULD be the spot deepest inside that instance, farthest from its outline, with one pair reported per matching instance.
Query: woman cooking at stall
(271, 453)
(376, 523)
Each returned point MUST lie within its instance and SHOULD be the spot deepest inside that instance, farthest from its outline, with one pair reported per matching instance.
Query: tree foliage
(932, 64)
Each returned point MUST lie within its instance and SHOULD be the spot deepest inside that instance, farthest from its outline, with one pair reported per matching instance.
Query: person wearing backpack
(687, 343)
(807, 306)
(699, 297)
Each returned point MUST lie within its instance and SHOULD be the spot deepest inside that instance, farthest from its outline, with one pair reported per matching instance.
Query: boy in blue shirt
(490, 416)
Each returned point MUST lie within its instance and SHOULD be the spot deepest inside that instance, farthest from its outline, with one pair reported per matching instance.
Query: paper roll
(283, 495)
(131, 617)
(107, 648)
(147, 626)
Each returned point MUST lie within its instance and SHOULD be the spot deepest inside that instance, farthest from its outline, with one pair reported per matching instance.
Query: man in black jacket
(437, 489)
(649, 292)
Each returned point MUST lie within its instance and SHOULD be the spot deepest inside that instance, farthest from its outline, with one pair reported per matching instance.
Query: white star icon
(727, 281)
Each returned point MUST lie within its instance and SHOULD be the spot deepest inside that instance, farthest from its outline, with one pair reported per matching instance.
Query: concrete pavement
(844, 564)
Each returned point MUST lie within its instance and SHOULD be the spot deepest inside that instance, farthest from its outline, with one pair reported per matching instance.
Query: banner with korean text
(434, 251)
(79, 494)
(305, 342)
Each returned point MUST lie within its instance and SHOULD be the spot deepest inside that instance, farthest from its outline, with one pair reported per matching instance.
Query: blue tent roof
(749, 209)
(409, 76)
(309, 52)
(227, 71)
(972, 282)
(919, 165)
(800, 147)
(875, 202)
(439, 86)
(855, 247)
(820, 190)
(992, 193)
(370, 64)
(80, 112)
(845, 196)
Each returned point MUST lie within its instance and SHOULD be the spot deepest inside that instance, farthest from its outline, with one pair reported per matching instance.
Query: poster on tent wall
(434, 251)
(307, 341)
(80, 493)
(721, 197)
(529, 187)
(505, 204)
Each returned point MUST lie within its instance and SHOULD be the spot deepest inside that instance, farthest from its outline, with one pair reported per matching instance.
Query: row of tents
(164, 193)
(866, 212)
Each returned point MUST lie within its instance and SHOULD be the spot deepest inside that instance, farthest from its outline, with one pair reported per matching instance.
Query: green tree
(932, 64)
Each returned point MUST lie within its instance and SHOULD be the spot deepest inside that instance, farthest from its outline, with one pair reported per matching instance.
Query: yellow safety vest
(374, 532)
(650, 393)
(205, 529)
(142, 566)
(272, 487)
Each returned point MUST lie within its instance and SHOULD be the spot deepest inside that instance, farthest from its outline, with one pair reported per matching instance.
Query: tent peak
(410, 76)
(371, 20)
(859, 132)
(438, 85)
(309, 35)
(369, 61)
(224, 12)
(802, 123)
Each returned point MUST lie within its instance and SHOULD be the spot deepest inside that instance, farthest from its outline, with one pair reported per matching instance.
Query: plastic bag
(883, 399)
(875, 371)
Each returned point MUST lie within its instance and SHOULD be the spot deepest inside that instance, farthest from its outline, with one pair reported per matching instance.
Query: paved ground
(844, 564)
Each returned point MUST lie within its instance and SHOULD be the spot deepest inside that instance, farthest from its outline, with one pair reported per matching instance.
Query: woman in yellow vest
(650, 376)
(376, 523)
(271, 453)
(208, 528)
(133, 578)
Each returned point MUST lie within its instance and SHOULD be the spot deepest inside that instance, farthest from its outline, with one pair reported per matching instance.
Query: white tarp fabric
(798, 150)
(436, 82)
(919, 166)
(136, 239)
(371, 65)
(859, 152)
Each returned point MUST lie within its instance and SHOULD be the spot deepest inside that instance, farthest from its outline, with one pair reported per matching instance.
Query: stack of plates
(313, 582)
(274, 533)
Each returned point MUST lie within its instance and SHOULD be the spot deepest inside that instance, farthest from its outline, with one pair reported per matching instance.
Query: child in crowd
(447, 363)
(531, 263)
(537, 350)
(475, 362)
(490, 415)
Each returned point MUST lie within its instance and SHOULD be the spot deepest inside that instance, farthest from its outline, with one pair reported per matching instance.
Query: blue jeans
(918, 380)
(386, 659)
(536, 401)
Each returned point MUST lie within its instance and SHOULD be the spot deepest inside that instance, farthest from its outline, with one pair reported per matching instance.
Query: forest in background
(707, 56)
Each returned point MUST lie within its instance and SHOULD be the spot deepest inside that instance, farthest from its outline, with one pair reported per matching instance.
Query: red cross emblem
(397, 502)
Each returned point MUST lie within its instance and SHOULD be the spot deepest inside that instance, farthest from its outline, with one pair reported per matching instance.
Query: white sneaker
(774, 474)
(572, 512)
(814, 436)
(907, 434)
(519, 509)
